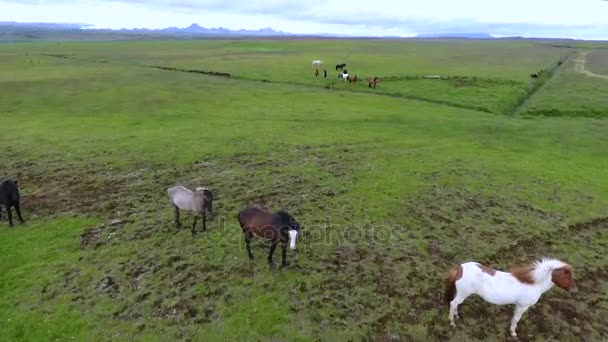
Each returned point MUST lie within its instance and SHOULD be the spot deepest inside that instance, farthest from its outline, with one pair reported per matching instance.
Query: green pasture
(392, 188)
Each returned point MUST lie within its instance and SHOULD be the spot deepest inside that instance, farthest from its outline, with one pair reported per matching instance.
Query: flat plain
(393, 186)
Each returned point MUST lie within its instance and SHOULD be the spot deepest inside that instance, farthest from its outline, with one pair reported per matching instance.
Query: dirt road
(579, 66)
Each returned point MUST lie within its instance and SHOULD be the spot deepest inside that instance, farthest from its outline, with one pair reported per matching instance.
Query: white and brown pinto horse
(522, 287)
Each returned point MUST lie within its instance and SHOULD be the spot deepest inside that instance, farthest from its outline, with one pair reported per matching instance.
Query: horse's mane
(538, 271)
(284, 215)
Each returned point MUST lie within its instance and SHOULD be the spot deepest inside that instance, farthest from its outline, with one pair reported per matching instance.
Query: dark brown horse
(276, 227)
(372, 81)
(9, 197)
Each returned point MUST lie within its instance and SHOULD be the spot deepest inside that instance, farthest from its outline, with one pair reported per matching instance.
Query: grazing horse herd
(344, 75)
(522, 287)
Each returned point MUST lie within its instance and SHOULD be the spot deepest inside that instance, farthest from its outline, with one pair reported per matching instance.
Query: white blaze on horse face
(292, 238)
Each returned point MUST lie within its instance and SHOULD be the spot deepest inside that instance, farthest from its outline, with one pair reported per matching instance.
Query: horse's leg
(273, 246)
(176, 211)
(204, 221)
(519, 310)
(0, 213)
(248, 237)
(194, 225)
(10, 215)
(19, 212)
(458, 299)
(284, 254)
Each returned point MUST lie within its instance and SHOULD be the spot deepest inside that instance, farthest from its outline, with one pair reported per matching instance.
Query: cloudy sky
(540, 18)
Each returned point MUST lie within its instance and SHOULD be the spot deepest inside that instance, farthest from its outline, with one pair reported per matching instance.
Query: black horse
(9, 197)
(276, 227)
(340, 66)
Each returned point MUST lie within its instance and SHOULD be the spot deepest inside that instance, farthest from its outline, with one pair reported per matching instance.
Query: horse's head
(562, 277)
(289, 224)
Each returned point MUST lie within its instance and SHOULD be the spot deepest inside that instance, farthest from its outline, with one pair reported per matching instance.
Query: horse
(353, 79)
(522, 286)
(317, 72)
(276, 227)
(317, 62)
(344, 76)
(200, 202)
(9, 197)
(372, 82)
(340, 66)
(324, 73)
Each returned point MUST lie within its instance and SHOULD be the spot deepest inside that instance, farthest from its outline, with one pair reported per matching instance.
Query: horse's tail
(450, 284)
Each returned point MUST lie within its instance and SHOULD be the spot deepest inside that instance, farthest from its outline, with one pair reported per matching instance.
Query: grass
(500, 72)
(391, 192)
(597, 62)
(572, 93)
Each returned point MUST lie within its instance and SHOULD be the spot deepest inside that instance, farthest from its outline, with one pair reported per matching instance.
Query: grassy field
(392, 188)
(494, 83)
(577, 90)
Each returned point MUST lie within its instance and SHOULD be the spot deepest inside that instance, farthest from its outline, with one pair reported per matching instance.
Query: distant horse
(372, 82)
(352, 79)
(340, 66)
(317, 62)
(344, 76)
(522, 287)
(9, 197)
(276, 227)
(324, 73)
(317, 72)
(200, 202)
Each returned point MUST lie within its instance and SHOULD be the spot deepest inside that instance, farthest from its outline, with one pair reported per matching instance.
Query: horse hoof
(452, 323)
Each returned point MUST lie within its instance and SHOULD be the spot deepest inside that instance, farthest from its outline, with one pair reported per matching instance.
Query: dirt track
(579, 66)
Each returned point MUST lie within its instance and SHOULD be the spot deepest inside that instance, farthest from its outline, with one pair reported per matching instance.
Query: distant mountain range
(14, 31)
(192, 30)
(456, 35)
(197, 29)
(49, 26)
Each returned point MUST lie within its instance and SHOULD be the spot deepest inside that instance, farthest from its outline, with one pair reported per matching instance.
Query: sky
(581, 19)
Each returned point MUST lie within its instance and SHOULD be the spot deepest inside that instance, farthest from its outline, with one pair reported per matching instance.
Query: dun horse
(522, 287)
(276, 227)
(9, 197)
(372, 82)
(200, 202)
(353, 79)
